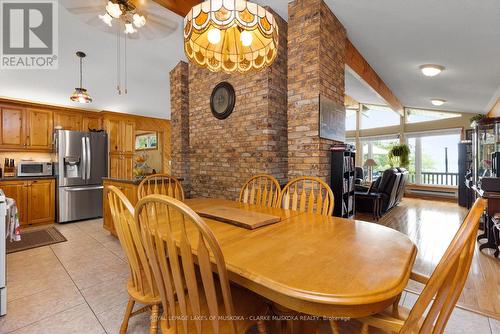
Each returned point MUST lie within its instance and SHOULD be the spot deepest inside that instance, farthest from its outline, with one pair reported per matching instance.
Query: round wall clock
(222, 100)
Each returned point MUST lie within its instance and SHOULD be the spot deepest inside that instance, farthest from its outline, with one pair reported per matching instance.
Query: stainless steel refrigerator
(82, 162)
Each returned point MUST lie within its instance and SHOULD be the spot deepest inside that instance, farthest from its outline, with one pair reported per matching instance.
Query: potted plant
(399, 155)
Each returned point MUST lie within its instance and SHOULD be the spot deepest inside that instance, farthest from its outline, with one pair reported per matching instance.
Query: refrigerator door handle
(84, 159)
(83, 188)
(89, 159)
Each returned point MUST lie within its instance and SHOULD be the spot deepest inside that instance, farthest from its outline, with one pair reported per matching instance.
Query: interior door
(97, 144)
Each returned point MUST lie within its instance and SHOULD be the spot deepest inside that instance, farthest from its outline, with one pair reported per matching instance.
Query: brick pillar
(179, 106)
(316, 60)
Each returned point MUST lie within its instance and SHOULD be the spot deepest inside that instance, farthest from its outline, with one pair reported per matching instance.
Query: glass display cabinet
(485, 142)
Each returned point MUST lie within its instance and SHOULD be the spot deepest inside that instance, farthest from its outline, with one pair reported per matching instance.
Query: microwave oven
(33, 168)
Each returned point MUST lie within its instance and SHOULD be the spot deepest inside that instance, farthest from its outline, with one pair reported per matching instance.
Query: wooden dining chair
(441, 291)
(262, 190)
(185, 255)
(162, 184)
(307, 194)
(141, 286)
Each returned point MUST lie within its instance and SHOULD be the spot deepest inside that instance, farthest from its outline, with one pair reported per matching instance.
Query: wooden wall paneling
(39, 128)
(68, 120)
(12, 124)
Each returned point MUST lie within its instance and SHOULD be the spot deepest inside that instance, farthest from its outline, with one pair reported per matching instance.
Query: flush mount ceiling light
(230, 36)
(126, 12)
(80, 94)
(438, 102)
(431, 70)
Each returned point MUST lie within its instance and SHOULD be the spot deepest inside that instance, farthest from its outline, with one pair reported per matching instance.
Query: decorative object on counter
(369, 164)
(230, 36)
(80, 94)
(222, 100)
(141, 168)
(399, 156)
(146, 141)
(9, 168)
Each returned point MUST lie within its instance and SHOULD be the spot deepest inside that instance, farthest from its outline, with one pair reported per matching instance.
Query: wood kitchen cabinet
(121, 135)
(121, 165)
(92, 123)
(26, 129)
(12, 127)
(128, 188)
(68, 120)
(39, 128)
(35, 199)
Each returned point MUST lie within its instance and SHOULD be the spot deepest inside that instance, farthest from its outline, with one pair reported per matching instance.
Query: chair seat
(246, 304)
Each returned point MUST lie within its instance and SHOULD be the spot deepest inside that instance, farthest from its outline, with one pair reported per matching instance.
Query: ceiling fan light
(106, 18)
(139, 20)
(431, 70)
(113, 9)
(438, 102)
(129, 28)
(80, 95)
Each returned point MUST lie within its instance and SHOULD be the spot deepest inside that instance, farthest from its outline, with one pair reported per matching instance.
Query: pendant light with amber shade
(80, 94)
(230, 36)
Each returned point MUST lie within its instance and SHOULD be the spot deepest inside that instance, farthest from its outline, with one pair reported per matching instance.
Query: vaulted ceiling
(395, 37)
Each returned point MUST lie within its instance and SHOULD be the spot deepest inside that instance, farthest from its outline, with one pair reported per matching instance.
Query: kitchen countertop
(130, 181)
(26, 178)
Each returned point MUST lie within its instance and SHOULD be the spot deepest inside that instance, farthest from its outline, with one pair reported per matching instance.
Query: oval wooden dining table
(313, 264)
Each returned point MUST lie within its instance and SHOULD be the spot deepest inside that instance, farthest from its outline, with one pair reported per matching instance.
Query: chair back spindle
(307, 194)
(171, 231)
(161, 184)
(262, 190)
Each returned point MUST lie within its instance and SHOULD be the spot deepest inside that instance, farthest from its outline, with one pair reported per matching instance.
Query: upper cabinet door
(12, 120)
(128, 137)
(113, 128)
(39, 129)
(92, 123)
(68, 120)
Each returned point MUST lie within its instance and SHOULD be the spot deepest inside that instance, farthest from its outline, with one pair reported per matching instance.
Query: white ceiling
(394, 36)
(149, 64)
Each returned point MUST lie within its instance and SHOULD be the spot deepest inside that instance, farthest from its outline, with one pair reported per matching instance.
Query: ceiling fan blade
(158, 20)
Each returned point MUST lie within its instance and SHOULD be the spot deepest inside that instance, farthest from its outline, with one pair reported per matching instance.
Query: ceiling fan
(136, 18)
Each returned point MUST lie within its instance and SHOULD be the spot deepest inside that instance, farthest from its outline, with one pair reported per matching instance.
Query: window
(378, 117)
(377, 149)
(434, 157)
(350, 119)
(422, 115)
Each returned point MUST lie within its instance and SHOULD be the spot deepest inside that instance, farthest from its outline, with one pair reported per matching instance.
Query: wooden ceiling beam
(362, 68)
(180, 7)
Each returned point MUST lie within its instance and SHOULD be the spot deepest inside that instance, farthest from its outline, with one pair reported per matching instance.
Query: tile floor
(78, 287)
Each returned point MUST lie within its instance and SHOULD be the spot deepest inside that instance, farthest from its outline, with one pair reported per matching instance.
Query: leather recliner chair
(389, 187)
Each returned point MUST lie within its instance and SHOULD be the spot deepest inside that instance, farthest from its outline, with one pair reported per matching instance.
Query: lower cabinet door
(41, 201)
(18, 190)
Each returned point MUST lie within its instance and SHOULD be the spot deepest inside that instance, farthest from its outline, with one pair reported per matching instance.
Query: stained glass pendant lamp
(80, 94)
(230, 36)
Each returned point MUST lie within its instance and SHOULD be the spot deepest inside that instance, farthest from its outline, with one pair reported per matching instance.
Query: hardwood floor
(432, 225)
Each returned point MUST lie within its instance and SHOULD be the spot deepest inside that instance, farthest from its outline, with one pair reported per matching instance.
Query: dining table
(313, 264)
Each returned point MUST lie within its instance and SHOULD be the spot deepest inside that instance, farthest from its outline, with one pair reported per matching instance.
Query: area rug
(33, 238)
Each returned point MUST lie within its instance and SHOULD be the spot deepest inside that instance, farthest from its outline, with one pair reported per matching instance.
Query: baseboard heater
(433, 192)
